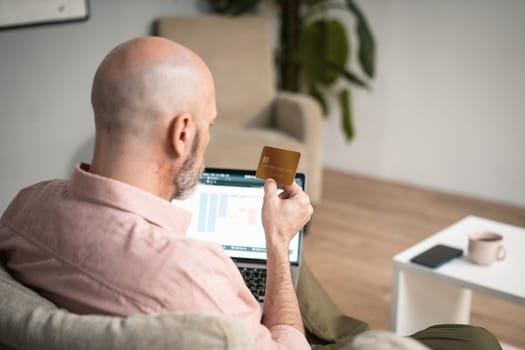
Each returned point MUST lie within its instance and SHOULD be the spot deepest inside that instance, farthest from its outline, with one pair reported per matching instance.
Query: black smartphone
(437, 255)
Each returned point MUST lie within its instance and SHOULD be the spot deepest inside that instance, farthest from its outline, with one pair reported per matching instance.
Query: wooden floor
(361, 223)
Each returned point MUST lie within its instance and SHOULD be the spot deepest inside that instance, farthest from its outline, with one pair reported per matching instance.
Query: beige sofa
(251, 112)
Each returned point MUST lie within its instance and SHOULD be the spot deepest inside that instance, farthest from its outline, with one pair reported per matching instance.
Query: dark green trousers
(326, 327)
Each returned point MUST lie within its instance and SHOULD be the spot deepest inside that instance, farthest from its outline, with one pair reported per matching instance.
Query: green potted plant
(315, 49)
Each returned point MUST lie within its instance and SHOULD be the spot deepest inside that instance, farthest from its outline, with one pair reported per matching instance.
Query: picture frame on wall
(22, 13)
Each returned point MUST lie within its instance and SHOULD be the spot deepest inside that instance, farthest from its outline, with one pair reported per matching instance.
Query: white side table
(423, 296)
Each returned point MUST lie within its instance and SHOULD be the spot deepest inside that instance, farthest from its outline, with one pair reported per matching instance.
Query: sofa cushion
(28, 321)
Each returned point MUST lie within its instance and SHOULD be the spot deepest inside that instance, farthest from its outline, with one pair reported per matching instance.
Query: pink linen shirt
(94, 245)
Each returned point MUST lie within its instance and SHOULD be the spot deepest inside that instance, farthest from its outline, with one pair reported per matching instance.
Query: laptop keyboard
(255, 279)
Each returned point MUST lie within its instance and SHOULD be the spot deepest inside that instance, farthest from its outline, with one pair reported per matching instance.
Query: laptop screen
(226, 208)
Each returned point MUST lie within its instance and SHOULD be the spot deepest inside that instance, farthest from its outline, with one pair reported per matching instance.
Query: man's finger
(292, 189)
(270, 188)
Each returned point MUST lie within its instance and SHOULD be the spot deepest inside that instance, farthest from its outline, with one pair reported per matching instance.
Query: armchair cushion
(297, 125)
(28, 321)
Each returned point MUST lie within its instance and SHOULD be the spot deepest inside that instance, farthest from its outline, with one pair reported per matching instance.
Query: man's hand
(282, 216)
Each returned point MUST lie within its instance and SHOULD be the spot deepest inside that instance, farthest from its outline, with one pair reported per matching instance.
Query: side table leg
(419, 301)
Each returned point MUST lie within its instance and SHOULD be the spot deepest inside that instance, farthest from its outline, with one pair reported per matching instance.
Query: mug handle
(501, 252)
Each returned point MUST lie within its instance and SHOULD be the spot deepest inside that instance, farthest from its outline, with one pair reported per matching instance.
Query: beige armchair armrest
(300, 116)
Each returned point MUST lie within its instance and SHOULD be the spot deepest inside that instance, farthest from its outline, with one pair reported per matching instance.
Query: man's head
(154, 102)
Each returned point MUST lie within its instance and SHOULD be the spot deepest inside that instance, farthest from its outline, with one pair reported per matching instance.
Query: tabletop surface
(504, 279)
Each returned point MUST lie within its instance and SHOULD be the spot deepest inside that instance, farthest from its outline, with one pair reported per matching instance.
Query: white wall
(45, 80)
(448, 109)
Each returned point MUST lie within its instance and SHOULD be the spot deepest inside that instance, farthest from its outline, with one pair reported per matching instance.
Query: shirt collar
(113, 193)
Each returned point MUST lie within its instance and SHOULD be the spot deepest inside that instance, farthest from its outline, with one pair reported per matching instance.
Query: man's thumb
(270, 188)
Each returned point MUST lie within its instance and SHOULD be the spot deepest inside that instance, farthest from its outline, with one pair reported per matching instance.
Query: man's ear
(182, 134)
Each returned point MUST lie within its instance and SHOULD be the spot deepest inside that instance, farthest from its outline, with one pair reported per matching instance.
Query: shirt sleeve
(206, 280)
(284, 334)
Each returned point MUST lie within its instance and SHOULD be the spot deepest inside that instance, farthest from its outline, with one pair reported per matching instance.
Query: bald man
(108, 241)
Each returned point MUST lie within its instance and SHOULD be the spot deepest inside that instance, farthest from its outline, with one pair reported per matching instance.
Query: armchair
(252, 113)
(28, 321)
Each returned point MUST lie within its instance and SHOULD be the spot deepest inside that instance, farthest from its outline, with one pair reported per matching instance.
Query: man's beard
(188, 177)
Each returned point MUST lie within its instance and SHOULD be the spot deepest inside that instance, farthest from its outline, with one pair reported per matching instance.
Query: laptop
(226, 208)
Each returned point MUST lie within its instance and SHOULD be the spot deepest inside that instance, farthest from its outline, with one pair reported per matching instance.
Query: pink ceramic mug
(485, 247)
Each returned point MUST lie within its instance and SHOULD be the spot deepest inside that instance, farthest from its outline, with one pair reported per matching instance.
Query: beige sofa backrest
(28, 321)
(239, 53)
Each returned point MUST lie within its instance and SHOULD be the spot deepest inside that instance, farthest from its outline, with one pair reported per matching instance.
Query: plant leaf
(311, 51)
(366, 50)
(367, 47)
(323, 41)
(337, 49)
(315, 93)
(346, 113)
(348, 75)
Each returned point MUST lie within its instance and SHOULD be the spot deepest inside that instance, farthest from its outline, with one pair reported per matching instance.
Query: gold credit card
(278, 164)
